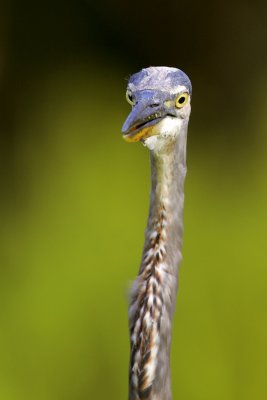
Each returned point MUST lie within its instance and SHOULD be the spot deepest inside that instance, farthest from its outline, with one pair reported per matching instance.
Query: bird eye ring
(130, 98)
(181, 100)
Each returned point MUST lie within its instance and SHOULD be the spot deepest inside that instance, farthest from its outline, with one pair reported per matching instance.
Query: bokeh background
(74, 196)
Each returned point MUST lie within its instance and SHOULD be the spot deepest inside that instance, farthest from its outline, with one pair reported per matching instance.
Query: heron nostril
(154, 105)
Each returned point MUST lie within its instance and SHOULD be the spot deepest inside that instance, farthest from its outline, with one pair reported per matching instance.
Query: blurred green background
(74, 196)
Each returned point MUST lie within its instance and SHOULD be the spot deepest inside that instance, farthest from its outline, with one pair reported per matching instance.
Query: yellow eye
(129, 97)
(181, 100)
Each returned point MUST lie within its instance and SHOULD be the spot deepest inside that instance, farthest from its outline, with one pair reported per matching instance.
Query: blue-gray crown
(164, 78)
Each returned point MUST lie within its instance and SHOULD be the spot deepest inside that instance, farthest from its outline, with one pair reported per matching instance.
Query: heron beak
(141, 122)
(135, 134)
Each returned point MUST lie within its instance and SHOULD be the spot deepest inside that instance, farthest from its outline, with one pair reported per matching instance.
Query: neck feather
(154, 291)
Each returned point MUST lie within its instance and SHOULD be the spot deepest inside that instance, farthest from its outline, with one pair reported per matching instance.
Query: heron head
(160, 99)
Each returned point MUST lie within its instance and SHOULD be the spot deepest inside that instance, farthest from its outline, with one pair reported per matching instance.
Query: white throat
(164, 133)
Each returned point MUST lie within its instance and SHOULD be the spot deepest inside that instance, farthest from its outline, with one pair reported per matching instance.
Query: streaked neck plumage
(154, 291)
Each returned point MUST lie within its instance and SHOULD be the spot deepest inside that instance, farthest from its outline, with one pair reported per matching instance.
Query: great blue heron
(160, 99)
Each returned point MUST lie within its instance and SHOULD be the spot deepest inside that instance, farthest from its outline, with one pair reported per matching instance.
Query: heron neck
(164, 241)
(153, 294)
